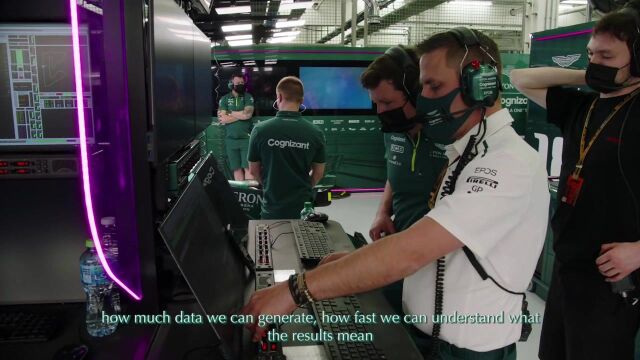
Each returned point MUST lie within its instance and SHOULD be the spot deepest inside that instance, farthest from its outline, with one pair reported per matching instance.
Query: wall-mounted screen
(334, 88)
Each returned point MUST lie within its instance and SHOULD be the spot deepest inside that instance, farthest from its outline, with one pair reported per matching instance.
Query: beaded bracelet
(302, 282)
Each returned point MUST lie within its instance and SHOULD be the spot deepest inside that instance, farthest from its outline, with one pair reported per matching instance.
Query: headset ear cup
(230, 85)
(465, 86)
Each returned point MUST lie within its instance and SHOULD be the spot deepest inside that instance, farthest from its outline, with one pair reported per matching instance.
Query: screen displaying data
(37, 91)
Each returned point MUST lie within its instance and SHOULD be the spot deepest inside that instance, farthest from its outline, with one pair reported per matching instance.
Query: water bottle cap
(89, 243)
(108, 220)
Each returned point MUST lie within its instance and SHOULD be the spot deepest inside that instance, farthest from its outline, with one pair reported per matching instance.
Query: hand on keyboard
(333, 257)
(274, 300)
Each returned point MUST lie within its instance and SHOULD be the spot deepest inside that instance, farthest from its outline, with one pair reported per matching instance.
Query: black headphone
(634, 65)
(479, 82)
(409, 69)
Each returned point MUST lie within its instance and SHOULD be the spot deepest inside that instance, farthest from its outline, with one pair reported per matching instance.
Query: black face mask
(395, 121)
(239, 88)
(602, 78)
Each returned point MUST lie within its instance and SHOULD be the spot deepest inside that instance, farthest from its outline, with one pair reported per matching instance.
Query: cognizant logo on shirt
(287, 143)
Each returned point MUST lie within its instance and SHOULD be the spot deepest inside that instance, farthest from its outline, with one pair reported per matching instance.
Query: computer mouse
(72, 352)
(317, 217)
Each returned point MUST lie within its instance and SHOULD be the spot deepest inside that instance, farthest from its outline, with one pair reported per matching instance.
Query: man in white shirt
(492, 203)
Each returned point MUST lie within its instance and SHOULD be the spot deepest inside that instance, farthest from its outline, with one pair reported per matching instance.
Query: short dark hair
(237, 75)
(455, 51)
(291, 89)
(386, 68)
(621, 24)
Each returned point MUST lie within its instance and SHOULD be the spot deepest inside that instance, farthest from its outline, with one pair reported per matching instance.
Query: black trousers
(585, 320)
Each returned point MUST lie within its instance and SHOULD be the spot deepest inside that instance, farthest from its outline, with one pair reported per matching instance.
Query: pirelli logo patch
(482, 181)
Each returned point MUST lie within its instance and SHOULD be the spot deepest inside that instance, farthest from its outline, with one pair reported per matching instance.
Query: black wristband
(292, 286)
(294, 289)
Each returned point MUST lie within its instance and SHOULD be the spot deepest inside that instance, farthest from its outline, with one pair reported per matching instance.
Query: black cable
(276, 239)
(449, 187)
(626, 181)
(277, 223)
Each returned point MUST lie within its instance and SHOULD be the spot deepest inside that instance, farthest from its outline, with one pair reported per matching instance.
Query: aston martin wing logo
(566, 60)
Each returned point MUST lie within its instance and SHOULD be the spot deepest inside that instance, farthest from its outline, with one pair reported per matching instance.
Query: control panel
(264, 279)
(263, 248)
(38, 166)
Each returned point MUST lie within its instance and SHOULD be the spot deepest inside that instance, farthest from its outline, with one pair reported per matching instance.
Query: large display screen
(334, 88)
(328, 90)
(37, 97)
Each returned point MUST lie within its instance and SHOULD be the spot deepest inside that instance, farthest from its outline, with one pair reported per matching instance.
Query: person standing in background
(287, 154)
(235, 111)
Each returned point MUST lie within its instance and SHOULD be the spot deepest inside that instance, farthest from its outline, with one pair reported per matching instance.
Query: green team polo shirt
(412, 169)
(286, 145)
(241, 128)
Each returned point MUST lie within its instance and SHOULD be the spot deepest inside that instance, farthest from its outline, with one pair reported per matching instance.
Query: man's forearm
(386, 203)
(315, 178)
(240, 115)
(257, 174)
(382, 262)
(546, 77)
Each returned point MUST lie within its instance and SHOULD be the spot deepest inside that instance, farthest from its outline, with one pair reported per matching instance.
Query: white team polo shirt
(499, 210)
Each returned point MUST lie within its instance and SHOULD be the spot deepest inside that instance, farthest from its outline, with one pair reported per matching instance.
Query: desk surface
(392, 339)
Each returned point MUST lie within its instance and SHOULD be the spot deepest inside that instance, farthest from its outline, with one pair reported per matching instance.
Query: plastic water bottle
(308, 210)
(99, 289)
(110, 246)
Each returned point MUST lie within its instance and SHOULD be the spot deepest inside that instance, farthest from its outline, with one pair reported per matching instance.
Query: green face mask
(440, 123)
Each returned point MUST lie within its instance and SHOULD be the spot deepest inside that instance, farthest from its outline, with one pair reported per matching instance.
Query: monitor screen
(197, 241)
(334, 88)
(37, 91)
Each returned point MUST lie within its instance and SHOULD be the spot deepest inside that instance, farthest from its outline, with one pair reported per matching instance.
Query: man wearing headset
(235, 111)
(597, 223)
(489, 217)
(413, 160)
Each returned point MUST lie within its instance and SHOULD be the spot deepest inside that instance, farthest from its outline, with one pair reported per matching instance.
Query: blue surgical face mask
(440, 122)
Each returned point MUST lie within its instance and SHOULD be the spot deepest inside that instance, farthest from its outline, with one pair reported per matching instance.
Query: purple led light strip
(560, 36)
(88, 201)
(358, 190)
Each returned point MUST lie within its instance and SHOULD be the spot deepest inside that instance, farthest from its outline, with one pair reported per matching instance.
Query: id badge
(574, 184)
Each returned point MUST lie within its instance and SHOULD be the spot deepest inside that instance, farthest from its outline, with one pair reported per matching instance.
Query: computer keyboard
(339, 350)
(312, 241)
(18, 326)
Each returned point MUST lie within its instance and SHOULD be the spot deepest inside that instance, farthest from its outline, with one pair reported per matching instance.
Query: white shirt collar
(495, 122)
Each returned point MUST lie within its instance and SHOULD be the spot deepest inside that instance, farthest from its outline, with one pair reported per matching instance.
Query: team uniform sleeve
(490, 200)
(321, 153)
(253, 153)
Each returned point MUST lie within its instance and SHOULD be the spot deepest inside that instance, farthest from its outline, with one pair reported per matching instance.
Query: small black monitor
(38, 106)
(209, 260)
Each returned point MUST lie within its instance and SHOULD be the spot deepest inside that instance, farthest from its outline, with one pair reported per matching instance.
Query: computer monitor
(209, 260)
(219, 192)
(37, 91)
